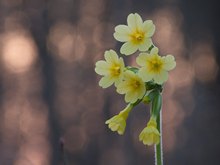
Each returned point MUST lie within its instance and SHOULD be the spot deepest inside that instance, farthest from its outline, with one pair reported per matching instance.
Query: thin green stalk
(158, 148)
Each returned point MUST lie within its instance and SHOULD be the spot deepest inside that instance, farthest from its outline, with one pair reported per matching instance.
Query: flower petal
(101, 67)
(145, 45)
(118, 81)
(105, 82)
(121, 37)
(113, 126)
(141, 92)
(121, 131)
(128, 48)
(149, 28)
(142, 59)
(141, 136)
(122, 88)
(145, 75)
(150, 139)
(122, 29)
(161, 77)
(121, 33)
(111, 56)
(169, 62)
(154, 51)
(156, 139)
(129, 97)
(134, 21)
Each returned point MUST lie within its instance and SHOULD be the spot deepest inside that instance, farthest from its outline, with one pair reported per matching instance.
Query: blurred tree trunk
(40, 26)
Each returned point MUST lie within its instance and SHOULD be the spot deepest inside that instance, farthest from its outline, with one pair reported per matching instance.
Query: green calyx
(156, 104)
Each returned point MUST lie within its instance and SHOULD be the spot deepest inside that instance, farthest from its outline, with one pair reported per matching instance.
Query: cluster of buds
(138, 84)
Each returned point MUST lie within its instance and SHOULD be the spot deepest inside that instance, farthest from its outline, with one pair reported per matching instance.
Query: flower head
(136, 34)
(155, 67)
(132, 86)
(150, 135)
(111, 69)
(118, 122)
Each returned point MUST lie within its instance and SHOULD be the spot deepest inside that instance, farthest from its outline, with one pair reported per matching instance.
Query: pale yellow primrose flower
(112, 69)
(132, 86)
(118, 122)
(150, 135)
(136, 35)
(155, 67)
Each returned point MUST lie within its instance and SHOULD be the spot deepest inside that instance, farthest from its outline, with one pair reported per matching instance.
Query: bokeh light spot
(19, 52)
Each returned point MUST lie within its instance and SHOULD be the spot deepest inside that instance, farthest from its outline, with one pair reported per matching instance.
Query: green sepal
(146, 99)
(133, 69)
(137, 102)
(151, 85)
(150, 48)
(156, 104)
(149, 97)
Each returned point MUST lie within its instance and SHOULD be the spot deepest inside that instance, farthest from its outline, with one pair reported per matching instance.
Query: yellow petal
(121, 37)
(141, 59)
(145, 45)
(149, 28)
(141, 136)
(118, 81)
(122, 88)
(121, 61)
(122, 29)
(118, 122)
(156, 139)
(169, 62)
(161, 77)
(148, 140)
(134, 21)
(154, 51)
(144, 74)
(130, 97)
(129, 74)
(105, 82)
(107, 121)
(120, 132)
(101, 68)
(114, 126)
(111, 56)
(141, 91)
(128, 48)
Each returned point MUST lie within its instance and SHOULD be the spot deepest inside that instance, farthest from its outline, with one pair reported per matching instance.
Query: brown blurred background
(50, 93)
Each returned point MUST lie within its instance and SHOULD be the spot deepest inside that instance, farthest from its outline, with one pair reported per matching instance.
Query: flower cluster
(142, 84)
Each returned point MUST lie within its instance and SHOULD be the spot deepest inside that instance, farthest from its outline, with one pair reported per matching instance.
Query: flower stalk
(159, 147)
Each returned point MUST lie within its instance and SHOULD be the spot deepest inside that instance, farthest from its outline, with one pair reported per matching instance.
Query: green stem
(158, 148)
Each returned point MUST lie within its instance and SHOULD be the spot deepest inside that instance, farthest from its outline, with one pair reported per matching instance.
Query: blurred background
(50, 100)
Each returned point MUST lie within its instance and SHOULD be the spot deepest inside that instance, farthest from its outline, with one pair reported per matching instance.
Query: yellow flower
(118, 122)
(136, 34)
(132, 86)
(111, 69)
(150, 135)
(155, 67)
